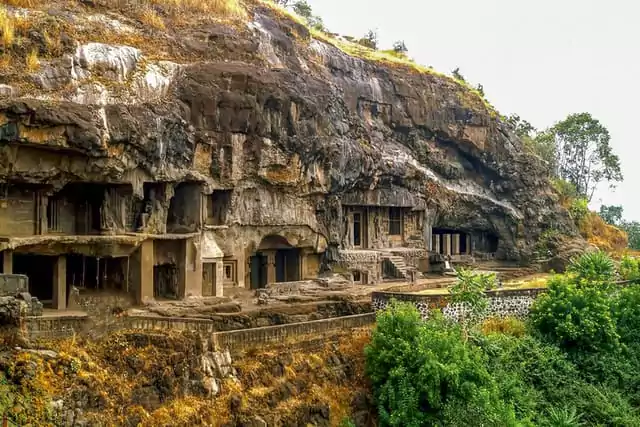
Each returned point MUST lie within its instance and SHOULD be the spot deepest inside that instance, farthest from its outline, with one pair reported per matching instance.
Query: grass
(387, 57)
(151, 18)
(32, 61)
(8, 28)
(217, 8)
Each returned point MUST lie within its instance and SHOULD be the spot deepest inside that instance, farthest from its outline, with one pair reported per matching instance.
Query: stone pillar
(60, 283)
(303, 264)
(144, 292)
(437, 243)
(447, 244)
(190, 269)
(7, 262)
(456, 244)
(218, 281)
(271, 266)
(241, 272)
(468, 247)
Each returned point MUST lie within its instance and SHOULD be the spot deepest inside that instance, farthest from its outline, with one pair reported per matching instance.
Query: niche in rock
(185, 208)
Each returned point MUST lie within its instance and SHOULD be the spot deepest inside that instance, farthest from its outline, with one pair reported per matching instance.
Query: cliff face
(290, 123)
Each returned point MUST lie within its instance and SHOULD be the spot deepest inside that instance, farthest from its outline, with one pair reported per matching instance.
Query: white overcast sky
(541, 59)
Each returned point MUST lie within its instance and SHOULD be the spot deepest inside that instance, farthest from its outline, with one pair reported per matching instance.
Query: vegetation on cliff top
(574, 362)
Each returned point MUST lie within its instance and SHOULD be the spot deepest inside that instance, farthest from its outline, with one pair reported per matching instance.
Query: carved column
(447, 244)
(468, 237)
(437, 243)
(456, 244)
(218, 281)
(7, 262)
(271, 266)
(60, 283)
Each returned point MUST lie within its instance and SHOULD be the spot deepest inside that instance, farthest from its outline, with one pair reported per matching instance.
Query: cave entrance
(275, 261)
(185, 209)
(76, 209)
(450, 242)
(165, 285)
(40, 270)
(93, 273)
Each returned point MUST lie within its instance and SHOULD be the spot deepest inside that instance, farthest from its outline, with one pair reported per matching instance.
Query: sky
(542, 59)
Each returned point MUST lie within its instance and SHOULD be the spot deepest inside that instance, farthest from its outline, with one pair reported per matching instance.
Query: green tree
(457, 75)
(399, 47)
(370, 40)
(302, 8)
(611, 214)
(632, 228)
(584, 156)
(480, 89)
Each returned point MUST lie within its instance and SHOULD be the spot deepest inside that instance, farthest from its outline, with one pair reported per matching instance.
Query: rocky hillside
(147, 379)
(245, 96)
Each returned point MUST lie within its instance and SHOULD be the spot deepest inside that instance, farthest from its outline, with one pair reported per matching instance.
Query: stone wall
(48, 327)
(502, 303)
(367, 262)
(13, 284)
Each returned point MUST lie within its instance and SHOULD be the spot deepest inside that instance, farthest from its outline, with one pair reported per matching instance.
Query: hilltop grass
(386, 57)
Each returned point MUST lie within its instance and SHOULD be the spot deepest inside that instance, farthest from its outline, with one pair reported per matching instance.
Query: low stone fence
(502, 303)
(50, 327)
(248, 338)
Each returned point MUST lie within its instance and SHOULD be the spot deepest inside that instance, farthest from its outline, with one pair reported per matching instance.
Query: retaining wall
(502, 303)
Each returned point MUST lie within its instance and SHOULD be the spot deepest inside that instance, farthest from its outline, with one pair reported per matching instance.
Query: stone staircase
(395, 264)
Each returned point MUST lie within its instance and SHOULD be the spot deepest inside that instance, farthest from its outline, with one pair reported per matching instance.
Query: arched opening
(275, 261)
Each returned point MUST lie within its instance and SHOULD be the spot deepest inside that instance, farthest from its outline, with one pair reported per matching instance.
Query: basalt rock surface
(293, 124)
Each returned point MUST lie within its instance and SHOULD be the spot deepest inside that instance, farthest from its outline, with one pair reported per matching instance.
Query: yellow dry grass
(32, 61)
(7, 27)
(150, 17)
(216, 8)
(605, 236)
(23, 3)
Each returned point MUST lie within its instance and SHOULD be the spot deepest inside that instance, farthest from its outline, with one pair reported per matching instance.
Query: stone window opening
(395, 221)
(229, 272)
(218, 204)
(184, 215)
(53, 215)
(357, 277)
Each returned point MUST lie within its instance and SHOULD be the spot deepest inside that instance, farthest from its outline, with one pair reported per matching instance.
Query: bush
(423, 373)
(593, 267)
(629, 268)
(579, 209)
(575, 315)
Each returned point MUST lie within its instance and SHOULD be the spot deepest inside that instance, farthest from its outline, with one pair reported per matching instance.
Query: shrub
(564, 417)
(7, 27)
(629, 268)
(594, 267)
(151, 18)
(423, 373)
(579, 209)
(575, 315)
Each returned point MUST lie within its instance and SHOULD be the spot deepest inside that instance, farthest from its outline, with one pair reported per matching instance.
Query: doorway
(359, 229)
(258, 270)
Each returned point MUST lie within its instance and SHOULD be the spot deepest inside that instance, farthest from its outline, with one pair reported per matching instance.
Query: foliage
(521, 127)
(632, 228)
(566, 190)
(584, 156)
(611, 214)
(469, 291)
(594, 266)
(399, 47)
(422, 373)
(629, 268)
(575, 315)
(564, 417)
(370, 40)
(457, 75)
(579, 209)
(480, 89)
(303, 8)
